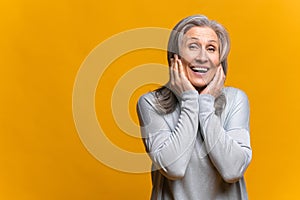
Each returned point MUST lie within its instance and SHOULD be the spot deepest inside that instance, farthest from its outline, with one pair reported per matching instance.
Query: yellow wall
(43, 44)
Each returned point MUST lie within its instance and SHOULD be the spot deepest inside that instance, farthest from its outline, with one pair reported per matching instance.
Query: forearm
(229, 150)
(170, 148)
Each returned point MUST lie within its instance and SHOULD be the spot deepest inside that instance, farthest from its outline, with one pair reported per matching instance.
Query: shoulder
(237, 110)
(236, 99)
(235, 94)
(147, 100)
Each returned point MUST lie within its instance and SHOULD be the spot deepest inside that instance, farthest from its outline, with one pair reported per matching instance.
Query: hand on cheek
(214, 88)
(178, 82)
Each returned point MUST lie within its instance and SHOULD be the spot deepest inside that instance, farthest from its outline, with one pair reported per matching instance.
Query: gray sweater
(196, 154)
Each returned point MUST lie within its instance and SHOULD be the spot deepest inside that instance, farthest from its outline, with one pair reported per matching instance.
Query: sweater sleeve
(169, 149)
(228, 147)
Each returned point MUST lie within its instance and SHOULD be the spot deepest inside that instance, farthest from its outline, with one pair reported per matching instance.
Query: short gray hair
(199, 20)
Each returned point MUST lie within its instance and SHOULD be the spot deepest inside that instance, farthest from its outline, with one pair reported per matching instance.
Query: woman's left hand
(214, 88)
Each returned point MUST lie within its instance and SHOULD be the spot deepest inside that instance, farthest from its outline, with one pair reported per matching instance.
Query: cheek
(186, 55)
(213, 72)
(215, 60)
(185, 65)
(185, 60)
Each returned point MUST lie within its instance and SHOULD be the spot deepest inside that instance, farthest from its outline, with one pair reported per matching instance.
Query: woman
(195, 130)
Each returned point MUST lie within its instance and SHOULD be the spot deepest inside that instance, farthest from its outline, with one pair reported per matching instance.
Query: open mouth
(200, 69)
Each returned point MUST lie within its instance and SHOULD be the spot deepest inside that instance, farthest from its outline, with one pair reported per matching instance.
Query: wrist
(206, 103)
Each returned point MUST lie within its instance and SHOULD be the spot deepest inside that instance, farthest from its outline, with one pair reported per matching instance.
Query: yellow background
(43, 44)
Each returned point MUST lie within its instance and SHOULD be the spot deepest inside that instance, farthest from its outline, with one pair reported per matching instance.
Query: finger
(175, 68)
(214, 84)
(222, 76)
(217, 78)
(223, 73)
(171, 67)
(180, 69)
(220, 82)
(222, 70)
(171, 70)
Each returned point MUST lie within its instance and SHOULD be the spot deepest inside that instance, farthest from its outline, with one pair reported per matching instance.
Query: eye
(193, 46)
(211, 49)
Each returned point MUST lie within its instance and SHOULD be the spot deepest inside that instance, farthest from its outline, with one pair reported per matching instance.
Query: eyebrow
(194, 38)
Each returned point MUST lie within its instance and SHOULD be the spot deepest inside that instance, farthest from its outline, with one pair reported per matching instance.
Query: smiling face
(199, 51)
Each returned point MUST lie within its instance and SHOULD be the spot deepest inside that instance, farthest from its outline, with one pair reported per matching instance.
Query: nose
(202, 56)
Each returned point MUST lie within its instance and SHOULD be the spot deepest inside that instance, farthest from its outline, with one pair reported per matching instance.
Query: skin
(199, 48)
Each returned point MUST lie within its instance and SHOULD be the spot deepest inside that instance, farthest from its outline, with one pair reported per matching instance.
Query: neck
(200, 89)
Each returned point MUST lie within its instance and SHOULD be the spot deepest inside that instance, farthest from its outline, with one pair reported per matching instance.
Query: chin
(199, 83)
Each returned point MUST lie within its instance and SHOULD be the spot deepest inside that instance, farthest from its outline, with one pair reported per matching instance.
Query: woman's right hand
(178, 82)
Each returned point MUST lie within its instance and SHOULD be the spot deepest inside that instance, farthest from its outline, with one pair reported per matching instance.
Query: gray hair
(199, 20)
(166, 99)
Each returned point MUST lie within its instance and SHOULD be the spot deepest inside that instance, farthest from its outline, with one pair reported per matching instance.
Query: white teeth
(200, 69)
